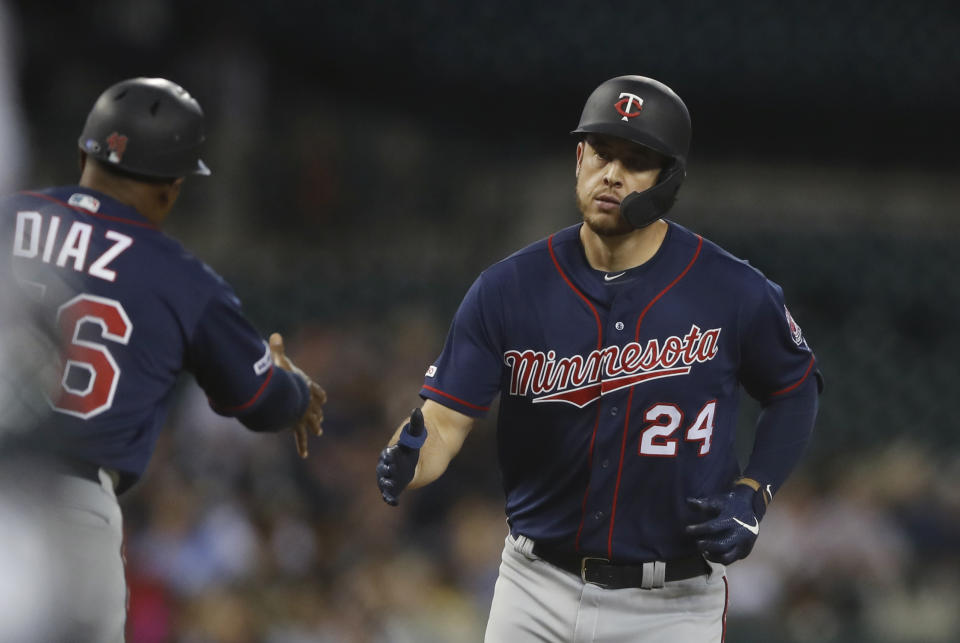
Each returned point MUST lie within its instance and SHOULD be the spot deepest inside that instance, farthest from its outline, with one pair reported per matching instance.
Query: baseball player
(134, 309)
(618, 347)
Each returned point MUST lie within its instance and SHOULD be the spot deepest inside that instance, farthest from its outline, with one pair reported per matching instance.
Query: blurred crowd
(232, 538)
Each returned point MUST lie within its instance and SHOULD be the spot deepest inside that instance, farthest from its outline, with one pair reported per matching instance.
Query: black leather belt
(610, 575)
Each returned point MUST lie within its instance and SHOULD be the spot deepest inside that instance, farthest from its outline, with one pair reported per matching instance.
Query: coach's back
(133, 308)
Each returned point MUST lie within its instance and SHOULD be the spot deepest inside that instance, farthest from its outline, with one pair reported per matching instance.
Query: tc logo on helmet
(626, 102)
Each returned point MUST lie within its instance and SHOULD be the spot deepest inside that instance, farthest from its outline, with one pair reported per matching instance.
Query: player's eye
(642, 163)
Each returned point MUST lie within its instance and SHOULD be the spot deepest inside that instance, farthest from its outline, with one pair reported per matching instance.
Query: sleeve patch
(795, 331)
(263, 364)
(432, 371)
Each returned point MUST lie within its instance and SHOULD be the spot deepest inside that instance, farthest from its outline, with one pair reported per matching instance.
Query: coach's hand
(312, 420)
(733, 525)
(398, 462)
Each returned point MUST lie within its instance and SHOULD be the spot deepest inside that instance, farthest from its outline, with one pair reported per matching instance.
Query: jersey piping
(596, 316)
(596, 424)
(456, 399)
(252, 400)
(106, 217)
(799, 381)
(626, 420)
(586, 493)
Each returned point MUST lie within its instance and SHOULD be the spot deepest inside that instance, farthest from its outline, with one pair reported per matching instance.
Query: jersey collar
(97, 204)
(572, 259)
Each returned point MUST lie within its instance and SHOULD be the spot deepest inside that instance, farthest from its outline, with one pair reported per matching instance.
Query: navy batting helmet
(647, 112)
(147, 127)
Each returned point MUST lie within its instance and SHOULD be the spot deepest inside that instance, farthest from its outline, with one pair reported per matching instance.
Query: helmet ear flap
(640, 209)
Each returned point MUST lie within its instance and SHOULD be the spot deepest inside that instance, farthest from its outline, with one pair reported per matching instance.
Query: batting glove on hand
(734, 525)
(398, 462)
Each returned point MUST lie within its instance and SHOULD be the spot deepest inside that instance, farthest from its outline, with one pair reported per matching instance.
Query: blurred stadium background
(370, 158)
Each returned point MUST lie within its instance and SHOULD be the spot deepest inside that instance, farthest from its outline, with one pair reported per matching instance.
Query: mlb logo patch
(84, 201)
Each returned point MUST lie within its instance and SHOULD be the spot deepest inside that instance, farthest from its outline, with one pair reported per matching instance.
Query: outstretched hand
(398, 462)
(732, 526)
(312, 420)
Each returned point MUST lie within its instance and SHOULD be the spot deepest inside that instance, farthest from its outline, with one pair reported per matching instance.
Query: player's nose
(613, 173)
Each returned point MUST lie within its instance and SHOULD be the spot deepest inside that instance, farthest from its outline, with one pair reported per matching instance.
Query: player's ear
(579, 157)
(168, 193)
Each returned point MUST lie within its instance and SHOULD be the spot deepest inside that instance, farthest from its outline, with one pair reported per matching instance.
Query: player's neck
(622, 252)
(153, 201)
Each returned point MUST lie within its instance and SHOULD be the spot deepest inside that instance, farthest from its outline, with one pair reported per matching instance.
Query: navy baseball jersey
(618, 391)
(133, 309)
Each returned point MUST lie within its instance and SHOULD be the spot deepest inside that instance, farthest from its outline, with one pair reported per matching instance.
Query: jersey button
(613, 411)
(618, 325)
(605, 464)
(598, 515)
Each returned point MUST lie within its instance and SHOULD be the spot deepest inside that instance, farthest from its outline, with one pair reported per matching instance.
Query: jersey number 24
(664, 419)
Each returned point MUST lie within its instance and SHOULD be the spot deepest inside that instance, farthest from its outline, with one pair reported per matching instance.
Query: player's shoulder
(714, 258)
(192, 273)
(82, 204)
(162, 258)
(535, 256)
(45, 197)
(38, 199)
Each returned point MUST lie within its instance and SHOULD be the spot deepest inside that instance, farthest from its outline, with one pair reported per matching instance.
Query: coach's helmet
(644, 111)
(146, 127)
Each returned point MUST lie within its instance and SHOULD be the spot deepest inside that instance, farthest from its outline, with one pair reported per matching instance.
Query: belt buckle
(583, 565)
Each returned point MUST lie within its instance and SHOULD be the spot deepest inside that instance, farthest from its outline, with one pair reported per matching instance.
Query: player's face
(608, 169)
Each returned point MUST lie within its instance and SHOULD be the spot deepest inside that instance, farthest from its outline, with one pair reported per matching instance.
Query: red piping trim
(626, 420)
(669, 286)
(457, 399)
(249, 403)
(579, 294)
(586, 493)
(596, 316)
(616, 489)
(142, 224)
(798, 382)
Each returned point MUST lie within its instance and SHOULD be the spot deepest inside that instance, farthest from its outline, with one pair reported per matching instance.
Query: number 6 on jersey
(96, 395)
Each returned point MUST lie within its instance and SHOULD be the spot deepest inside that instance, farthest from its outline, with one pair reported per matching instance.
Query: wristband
(759, 498)
(411, 441)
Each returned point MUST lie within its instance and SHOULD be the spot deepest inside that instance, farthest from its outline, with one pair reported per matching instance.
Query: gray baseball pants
(60, 546)
(535, 601)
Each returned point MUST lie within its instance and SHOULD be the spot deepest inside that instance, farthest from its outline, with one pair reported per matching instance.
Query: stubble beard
(602, 224)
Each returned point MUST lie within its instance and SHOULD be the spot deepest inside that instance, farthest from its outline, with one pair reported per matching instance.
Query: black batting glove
(398, 462)
(733, 524)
